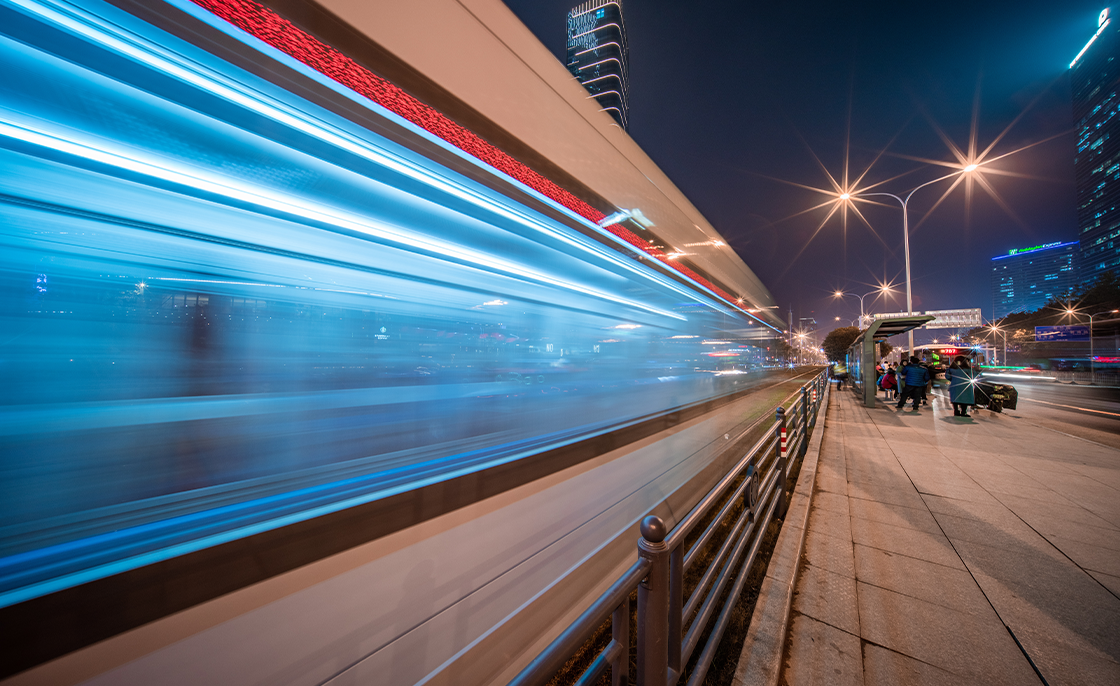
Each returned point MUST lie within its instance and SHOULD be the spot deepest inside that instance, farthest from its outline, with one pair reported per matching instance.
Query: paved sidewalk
(952, 551)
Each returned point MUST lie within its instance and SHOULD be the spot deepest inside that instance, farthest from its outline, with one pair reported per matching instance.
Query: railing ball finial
(653, 529)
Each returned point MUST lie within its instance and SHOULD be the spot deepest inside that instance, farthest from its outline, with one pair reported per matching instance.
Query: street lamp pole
(995, 329)
(906, 240)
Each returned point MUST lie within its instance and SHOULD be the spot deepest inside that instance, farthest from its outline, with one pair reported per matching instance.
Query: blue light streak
(251, 300)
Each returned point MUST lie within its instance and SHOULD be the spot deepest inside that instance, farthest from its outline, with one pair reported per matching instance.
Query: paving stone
(831, 502)
(1035, 510)
(954, 490)
(976, 647)
(831, 553)
(919, 544)
(917, 518)
(1008, 534)
(827, 597)
(1048, 595)
(1087, 556)
(902, 493)
(1109, 476)
(1064, 665)
(822, 654)
(1093, 535)
(832, 484)
(882, 667)
(933, 583)
(988, 511)
(831, 523)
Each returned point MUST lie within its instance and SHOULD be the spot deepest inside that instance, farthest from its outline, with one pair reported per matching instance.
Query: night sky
(728, 96)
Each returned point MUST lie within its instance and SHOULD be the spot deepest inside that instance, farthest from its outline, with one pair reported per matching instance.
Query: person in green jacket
(962, 386)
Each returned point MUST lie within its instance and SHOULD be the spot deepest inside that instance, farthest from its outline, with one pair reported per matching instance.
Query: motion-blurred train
(238, 296)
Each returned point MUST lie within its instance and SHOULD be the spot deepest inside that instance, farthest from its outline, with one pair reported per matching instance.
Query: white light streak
(608, 76)
(1028, 377)
(309, 211)
(209, 80)
(595, 64)
(598, 47)
(1095, 35)
(157, 57)
(597, 28)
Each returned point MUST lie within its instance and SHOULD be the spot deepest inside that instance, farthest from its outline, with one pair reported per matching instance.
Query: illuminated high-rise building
(597, 55)
(1094, 75)
(1025, 279)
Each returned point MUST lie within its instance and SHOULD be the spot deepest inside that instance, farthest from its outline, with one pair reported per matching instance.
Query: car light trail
(1026, 377)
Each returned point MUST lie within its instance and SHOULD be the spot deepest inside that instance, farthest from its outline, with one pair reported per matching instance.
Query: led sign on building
(1020, 251)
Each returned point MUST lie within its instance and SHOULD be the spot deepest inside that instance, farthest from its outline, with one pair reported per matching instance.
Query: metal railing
(1107, 377)
(669, 625)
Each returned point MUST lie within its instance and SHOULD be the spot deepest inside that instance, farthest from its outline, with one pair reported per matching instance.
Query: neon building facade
(1093, 78)
(597, 55)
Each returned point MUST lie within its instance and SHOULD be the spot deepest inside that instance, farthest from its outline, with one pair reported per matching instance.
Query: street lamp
(801, 347)
(995, 329)
(906, 237)
(882, 290)
(1092, 362)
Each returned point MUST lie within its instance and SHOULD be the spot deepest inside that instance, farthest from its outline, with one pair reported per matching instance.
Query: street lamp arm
(940, 178)
(886, 195)
(905, 201)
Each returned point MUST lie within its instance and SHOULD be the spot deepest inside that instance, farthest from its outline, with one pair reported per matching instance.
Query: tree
(781, 350)
(885, 348)
(837, 342)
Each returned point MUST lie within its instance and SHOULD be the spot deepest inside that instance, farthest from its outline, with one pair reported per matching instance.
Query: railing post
(653, 605)
(804, 422)
(676, 605)
(780, 449)
(620, 632)
(818, 396)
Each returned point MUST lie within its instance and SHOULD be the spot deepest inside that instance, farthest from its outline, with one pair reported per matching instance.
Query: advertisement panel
(966, 318)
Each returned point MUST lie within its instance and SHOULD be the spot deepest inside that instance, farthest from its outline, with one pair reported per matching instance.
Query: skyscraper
(1096, 115)
(597, 55)
(1026, 278)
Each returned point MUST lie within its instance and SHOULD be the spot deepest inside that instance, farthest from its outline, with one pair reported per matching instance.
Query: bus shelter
(864, 352)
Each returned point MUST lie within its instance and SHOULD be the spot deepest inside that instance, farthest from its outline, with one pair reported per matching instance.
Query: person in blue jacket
(916, 377)
(962, 386)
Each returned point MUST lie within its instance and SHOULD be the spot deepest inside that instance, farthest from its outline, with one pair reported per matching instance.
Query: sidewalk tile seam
(919, 559)
(798, 613)
(868, 642)
(924, 600)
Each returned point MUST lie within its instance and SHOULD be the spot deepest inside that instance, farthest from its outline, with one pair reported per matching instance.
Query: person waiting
(889, 383)
(916, 377)
(962, 386)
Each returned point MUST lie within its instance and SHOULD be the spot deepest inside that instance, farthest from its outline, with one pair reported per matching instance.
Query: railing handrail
(560, 650)
(684, 526)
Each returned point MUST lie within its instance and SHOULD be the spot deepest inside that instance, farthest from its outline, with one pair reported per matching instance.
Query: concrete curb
(760, 662)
